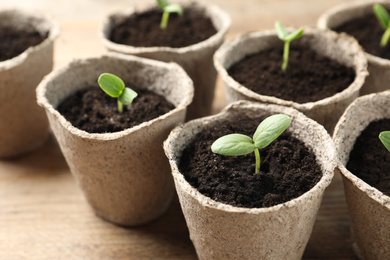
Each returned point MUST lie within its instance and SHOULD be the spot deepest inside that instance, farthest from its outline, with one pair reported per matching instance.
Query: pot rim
(210, 203)
(230, 45)
(53, 34)
(210, 10)
(44, 102)
(323, 21)
(371, 191)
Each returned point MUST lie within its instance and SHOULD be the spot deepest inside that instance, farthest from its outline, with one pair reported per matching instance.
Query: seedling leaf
(162, 3)
(167, 9)
(384, 20)
(385, 139)
(174, 8)
(111, 84)
(127, 96)
(286, 38)
(294, 35)
(115, 87)
(280, 31)
(382, 15)
(238, 144)
(233, 145)
(270, 129)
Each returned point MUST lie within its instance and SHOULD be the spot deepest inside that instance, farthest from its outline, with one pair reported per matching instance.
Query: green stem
(120, 107)
(257, 154)
(285, 55)
(385, 37)
(164, 20)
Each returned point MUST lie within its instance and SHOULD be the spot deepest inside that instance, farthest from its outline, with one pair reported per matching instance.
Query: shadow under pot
(364, 164)
(26, 56)
(189, 40)
(324, 74)
(123, 174)
(231, 211)
(358, 20)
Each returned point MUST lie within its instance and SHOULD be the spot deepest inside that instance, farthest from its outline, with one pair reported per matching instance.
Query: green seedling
(115, 87)
(384, 20)
(238, 144)
(385, 139)
(286, 38)
(167, 10)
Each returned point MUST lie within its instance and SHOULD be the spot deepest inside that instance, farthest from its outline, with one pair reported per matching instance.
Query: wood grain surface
(43, 214)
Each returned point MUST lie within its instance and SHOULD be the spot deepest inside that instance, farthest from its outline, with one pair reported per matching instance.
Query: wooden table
(43, 214)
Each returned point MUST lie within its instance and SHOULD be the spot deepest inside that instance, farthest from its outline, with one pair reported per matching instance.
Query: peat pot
(221, 231)
(196, 59)
(378, 68)
(369, 209)
(341, 48)
(124, 175)
(23, 124)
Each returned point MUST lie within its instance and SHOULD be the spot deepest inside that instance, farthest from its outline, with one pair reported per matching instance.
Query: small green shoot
(167, 10)
(286, 38)
(238, 144)
(385, 139)
(115, 87)
(384, 20)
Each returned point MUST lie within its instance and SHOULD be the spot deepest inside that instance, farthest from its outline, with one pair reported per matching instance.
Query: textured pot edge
(322, 23)
(42, 100)
(361, 72)
(209, 203)
(213, 40)
(53, 34)
(371, 192)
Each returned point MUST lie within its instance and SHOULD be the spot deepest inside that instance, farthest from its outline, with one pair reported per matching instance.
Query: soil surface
(13, 42)
(309, 76)
(94, 111)
(143, 30)
(369, 159)
(368, 32)
(288, 169)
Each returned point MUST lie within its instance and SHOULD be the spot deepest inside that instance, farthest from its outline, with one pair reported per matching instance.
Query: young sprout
(115, 87)
(167, 9)
(287, 38)
(238, 144)
(384, 20)
(385, 139)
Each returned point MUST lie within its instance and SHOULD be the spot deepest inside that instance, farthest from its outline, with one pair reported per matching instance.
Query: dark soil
(13, 42)
(368, 33)
(94, 111)
(369, 159)
(143, 30)
(309, 76)
(288, 168)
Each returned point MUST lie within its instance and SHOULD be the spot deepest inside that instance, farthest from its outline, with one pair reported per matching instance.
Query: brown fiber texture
(340, 48)
(123, 175)
(368, 207)
(221, 231)
(195, 59)
(23, 124)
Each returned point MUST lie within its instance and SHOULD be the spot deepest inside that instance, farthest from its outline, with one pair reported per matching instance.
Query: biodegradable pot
(378, 68)
(341, 48)
(124, 175)
(369, 208)
(221, 231)
(195, 59)
(23, 124)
